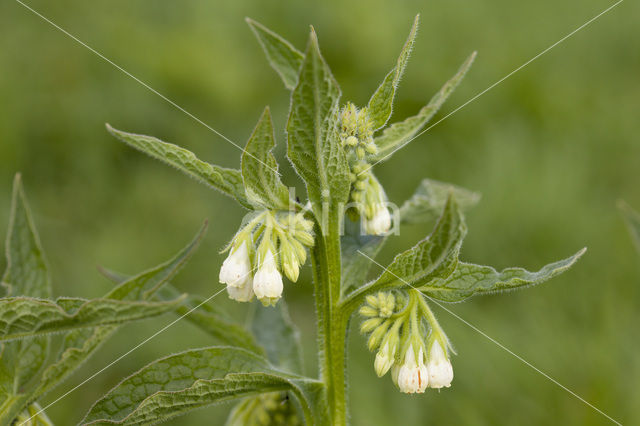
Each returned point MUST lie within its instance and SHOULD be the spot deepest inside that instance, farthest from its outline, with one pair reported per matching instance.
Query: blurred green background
(550, 149)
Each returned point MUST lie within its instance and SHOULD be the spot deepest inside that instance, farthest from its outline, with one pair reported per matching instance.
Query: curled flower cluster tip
(271, 243)
(408, 340)
(366, 192)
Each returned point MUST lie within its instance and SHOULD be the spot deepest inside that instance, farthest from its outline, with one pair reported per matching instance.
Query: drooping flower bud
(413, 376)
(380, 222)
(236, 268)
(267, 283)
(243, 293)
(384, 359)
(439, 367)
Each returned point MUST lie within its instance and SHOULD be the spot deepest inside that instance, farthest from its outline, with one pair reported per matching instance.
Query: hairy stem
(332, 325)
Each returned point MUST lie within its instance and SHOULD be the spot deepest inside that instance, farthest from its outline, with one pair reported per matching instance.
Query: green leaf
(174, 385)
(313, 144)
(80, 344)
(282, 56)
(145, 284)
(277, 334)
(632, 218)
(426, 204)
(22, 317)
(399, 134)
(210, 319)
(206, 316)
(27, 274)
(435, 256)
(228, 181)
(27, 271)
(468, 279)
(429, 199)
(260, 169)
(380, 105)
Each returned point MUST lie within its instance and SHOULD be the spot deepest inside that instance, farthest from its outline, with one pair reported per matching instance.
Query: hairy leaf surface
(27, 274)
(80, 344)
(469, 279)
(313, 145)
(380, 105)
(399, 134)
(22, 317)
(196, 378)
(283, 57)
(434, 256)
(260, 169)
(228, 181)
(206, 316)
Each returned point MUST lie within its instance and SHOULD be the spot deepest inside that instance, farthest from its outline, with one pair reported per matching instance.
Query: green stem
(332, 324)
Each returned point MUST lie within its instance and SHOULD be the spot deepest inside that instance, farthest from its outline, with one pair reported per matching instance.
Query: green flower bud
(368, 311)
(370, 324)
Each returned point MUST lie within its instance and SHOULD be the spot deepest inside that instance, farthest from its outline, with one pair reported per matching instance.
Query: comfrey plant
(341, 227)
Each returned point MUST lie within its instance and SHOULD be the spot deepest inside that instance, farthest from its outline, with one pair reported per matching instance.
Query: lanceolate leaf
(145, 284)
(468, 279)
(282, 56)
(632, 218)
(27, 274)
(425, 206)
(22, 317)
(313, 145)
(277, 334)
(399, 134)
(435, 256)
(429, 200)
(79, 345)
(260, 170)
(193, 379)
(381, 103)
(222, 329)
(228, 181)
(208, 317)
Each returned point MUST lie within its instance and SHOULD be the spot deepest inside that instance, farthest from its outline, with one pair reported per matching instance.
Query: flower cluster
(271, 243)
(268, 409)
(408, 340)
(356, 135)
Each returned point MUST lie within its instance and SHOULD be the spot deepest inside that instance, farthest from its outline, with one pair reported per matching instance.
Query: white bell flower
(384, 360)
(413, 376)
(236, 268)
(244, 293)
(439, 367)
(267, 283)
(380, 223)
